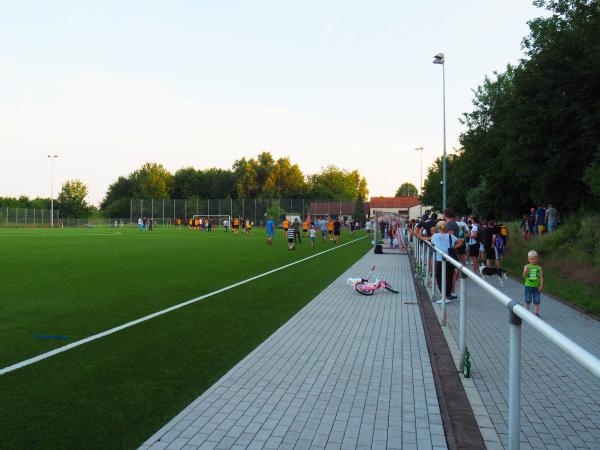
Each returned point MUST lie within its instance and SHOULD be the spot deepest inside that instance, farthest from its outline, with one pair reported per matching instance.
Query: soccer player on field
(305, 228)
(270, 231)
(290, 237)
(286, 225)
(248, 227)
(236, 225)
(330, 229)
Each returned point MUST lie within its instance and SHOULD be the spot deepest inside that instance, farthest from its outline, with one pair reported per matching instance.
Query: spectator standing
(474, 242)
(444, 241)
(552, 218)
(540, 219)
(534, 282)
(313, 235)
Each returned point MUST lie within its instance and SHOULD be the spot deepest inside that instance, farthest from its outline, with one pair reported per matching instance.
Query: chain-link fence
(164, 211)
(26, 217)
(169, 212)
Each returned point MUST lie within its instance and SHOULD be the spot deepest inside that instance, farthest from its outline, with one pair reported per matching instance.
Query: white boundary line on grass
(102, 334)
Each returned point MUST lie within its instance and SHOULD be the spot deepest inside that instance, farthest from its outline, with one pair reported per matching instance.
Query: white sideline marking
(64, 348)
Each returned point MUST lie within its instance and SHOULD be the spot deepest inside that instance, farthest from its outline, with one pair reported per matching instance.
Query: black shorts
(290, 240)
(336, 233)
(490, 253)
(474, 250)
(462, 250)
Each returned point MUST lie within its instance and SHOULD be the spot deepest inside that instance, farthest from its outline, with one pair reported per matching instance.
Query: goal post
(216, 220)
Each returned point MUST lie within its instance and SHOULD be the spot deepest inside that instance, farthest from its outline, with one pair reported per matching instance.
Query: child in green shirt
(534, 282)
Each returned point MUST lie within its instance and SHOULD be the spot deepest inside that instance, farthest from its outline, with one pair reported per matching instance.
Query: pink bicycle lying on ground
(362, 286)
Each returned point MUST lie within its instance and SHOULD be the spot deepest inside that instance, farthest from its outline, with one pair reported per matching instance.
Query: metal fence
(26, 217)
(424, 252)
(253, 209)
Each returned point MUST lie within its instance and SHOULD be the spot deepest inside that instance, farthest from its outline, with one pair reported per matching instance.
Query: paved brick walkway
(347, 371)
(560, 401)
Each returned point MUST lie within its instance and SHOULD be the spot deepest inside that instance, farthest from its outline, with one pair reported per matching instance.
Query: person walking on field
(296, 226)
(313, 235)
(270, 231)
(336, 230)
(534, 282)
(323, 229)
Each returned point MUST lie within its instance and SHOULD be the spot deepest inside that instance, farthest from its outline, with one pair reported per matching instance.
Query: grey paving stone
(346, 371)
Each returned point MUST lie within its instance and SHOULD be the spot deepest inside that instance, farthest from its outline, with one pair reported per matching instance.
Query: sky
(111, 85)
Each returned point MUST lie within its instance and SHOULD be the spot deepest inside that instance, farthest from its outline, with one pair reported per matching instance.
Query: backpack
(499, 243)
(378, 249)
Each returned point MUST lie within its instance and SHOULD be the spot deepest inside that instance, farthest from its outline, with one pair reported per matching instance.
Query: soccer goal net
(216, 220)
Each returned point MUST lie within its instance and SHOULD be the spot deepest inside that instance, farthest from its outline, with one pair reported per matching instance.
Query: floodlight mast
(52, 158)
(441, 59)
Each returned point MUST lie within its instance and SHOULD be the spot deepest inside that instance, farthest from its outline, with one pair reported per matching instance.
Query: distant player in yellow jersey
(305, 228)
(248, 226)
(236, 225)
(286, 225)
(330, 229)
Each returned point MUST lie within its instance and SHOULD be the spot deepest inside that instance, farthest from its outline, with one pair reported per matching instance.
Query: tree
(72, 199)
(407, 190)
(359, 209)
(152, 180)
(337, 184)
(535, 126)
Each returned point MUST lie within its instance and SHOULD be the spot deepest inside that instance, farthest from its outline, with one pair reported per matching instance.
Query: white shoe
(439, 302)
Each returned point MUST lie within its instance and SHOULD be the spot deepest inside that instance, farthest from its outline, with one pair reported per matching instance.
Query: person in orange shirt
(330, 229)
(236, 225)
(286, 225)
(305, 228)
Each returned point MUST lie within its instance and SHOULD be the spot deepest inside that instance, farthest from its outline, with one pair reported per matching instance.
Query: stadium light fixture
(441, 59)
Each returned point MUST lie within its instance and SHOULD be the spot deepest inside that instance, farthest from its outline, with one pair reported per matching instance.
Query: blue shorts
(532, 294)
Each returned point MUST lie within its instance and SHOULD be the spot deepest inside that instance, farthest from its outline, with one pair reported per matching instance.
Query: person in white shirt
(444, 241)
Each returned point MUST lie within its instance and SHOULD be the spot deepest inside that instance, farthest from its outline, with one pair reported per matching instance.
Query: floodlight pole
(441, 59)
(52, 158)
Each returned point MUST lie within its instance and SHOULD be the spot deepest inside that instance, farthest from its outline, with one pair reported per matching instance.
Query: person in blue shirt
(270, 231)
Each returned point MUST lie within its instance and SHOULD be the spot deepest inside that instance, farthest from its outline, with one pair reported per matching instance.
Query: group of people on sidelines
(476, 243)
(539, 221)
(145, 223)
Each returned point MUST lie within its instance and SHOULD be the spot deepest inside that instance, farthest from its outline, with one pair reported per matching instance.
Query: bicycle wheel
(361, 288)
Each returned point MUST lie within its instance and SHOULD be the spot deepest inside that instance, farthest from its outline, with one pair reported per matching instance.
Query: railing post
(444, 281)
(514, 381)
(426, 265)
(462, 298)
(432, 269)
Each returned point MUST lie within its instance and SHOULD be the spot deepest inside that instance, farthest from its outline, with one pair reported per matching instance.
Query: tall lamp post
(52, 158)
(420, 150)
(440, 59)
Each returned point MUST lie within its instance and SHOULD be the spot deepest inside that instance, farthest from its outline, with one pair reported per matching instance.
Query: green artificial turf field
(116, 391)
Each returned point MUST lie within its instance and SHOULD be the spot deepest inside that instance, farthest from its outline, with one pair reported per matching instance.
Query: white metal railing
(424, 252)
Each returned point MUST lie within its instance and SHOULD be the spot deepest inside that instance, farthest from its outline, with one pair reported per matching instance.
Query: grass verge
(570, 260)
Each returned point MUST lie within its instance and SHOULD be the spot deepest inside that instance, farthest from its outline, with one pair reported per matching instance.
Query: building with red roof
(408, 207)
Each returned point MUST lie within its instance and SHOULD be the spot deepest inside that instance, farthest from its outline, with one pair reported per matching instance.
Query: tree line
(260, 177)
(534, 133)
